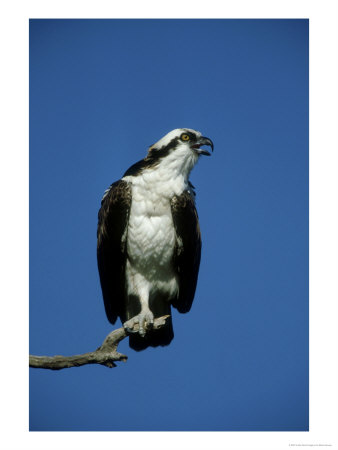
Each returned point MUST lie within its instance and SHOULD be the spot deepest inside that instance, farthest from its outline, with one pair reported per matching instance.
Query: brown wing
(111, 247)
(187, 253)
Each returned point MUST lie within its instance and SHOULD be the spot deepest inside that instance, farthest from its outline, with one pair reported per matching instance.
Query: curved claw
(140, 323)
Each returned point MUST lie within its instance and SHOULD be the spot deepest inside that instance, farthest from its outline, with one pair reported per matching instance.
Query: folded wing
(111, 247)
(187, 253)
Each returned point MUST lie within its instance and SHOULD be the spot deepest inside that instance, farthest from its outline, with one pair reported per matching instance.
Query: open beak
(203, 141)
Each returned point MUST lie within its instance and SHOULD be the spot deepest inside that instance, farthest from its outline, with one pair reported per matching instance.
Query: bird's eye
(185, 137)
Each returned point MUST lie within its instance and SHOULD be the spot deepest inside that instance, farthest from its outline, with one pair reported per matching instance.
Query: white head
(176, 153)
(190, 139)
(179, 150)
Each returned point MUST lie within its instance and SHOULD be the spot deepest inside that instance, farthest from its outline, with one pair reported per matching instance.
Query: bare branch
(106, 354)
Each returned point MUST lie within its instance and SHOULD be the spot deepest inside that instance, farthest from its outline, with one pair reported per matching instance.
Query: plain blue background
(101, 92)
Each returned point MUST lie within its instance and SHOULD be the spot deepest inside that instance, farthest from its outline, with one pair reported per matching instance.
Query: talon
(144, 320)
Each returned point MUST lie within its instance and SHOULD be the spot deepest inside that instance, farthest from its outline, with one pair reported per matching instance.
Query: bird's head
(182, 139)
(179, 150)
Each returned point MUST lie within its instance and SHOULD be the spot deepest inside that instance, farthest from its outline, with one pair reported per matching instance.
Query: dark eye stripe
(156, 154)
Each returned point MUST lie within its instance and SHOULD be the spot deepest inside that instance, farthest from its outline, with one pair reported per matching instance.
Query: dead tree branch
(105, 355)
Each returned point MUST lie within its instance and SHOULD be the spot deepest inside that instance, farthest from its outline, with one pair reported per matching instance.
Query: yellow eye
(185, 137)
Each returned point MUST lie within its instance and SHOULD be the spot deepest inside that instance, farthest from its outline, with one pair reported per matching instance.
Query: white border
(323, 221)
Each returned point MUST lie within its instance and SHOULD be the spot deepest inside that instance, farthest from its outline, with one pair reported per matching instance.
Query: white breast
(151, 233)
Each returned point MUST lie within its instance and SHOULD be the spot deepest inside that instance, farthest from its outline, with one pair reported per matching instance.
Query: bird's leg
(144, 320)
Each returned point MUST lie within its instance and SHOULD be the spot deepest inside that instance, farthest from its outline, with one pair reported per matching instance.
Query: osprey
(148, 239)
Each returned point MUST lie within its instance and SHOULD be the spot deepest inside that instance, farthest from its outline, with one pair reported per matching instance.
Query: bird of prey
(149, 241)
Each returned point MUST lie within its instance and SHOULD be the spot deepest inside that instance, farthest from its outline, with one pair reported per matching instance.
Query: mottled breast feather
(112, 229)
(187, 252)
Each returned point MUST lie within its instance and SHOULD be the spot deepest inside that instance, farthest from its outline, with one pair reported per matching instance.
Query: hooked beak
(203, 141)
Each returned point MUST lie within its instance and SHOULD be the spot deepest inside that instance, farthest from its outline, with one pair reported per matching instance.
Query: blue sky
(101, 92)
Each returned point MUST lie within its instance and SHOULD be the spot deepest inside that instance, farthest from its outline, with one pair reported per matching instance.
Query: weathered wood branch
(105, 355)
